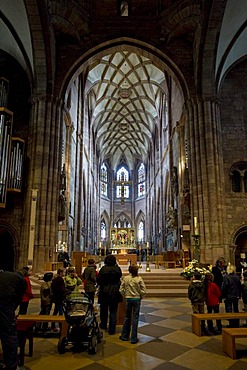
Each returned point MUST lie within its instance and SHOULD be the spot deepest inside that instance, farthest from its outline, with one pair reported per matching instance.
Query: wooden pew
(46, 318)
(197, 318)
(229, 336)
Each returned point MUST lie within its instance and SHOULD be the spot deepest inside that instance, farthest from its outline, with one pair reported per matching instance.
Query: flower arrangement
(193, 267)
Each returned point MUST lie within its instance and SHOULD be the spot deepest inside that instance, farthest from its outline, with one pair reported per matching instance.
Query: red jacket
(28, 293)
(213, 294)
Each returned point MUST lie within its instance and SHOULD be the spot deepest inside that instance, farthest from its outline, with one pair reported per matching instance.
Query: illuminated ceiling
(125, 98)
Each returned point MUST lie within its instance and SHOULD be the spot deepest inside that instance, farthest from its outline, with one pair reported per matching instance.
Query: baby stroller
(83, 328)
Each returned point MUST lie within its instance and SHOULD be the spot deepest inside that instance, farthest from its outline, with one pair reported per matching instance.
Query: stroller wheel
(92, 349)
(61, 345)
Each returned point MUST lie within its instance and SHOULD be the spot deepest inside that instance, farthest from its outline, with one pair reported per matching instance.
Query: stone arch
(122, 215)
(161, 60)
(238, 246)
(140, 217)
(104, 215)
(9, 247)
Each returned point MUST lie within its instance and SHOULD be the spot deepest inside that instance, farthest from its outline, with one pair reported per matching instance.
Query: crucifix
(123, 183)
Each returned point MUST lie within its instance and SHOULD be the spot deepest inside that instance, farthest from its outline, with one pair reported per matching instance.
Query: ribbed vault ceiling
(125, 98)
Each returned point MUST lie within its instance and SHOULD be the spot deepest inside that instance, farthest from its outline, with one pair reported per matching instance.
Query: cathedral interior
(123, 128)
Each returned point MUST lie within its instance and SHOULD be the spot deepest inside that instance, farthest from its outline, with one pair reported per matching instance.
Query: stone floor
(165, 342)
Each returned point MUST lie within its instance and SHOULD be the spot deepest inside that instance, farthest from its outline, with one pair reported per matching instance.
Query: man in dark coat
(12, 288)
(108, 280)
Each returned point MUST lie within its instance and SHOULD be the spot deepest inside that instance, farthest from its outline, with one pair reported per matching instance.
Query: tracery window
(140, 234)
(122, 190)
(141, 180)
(103, 230)
(104, 180)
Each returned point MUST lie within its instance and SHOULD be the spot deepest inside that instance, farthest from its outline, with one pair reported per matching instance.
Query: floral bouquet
(193, 267)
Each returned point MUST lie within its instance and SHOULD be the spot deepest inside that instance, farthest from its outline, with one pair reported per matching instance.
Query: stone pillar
(44, 173)
(206, 176)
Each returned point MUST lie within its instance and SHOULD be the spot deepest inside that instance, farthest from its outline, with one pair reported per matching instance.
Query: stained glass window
(122, 191)
(141, 180)
(104, 180)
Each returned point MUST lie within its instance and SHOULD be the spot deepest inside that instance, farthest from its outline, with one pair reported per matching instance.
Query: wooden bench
(25, 332)
(228, 340)
(197, 318)
(46, 318)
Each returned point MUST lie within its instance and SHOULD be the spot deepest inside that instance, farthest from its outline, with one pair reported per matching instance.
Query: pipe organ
(11, 149)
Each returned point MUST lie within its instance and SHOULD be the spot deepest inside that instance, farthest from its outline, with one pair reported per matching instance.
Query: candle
(147, 245)
(100, 244)
(195, 226)
(242, 255)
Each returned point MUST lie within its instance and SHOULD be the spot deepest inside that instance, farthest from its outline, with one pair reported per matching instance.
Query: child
(133, 289)
(46, 299)
(244, 292)
(213, 295)
(89, 276)
(196, 294)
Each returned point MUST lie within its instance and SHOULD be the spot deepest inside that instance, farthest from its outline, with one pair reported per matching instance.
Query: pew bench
(197, 318)
(46, 318)
(25, 325)
(229, 335)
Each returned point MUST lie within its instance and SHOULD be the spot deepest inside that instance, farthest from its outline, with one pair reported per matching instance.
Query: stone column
(44, 173)
(206, 176)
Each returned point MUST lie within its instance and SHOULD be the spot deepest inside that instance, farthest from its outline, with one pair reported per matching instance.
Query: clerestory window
(141, 180)
(104, 180)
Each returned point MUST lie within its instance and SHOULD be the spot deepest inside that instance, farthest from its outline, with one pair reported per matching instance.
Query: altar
(126, 259)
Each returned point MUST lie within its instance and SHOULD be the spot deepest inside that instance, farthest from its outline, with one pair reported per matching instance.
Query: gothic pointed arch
(122, 220)
(140, 226)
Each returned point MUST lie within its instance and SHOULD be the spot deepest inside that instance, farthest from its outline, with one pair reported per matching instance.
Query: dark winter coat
(12, 288)
(244, 291)
(89, 276)
(231, 287)
(58, 289)
(196, 292)
(108, 280)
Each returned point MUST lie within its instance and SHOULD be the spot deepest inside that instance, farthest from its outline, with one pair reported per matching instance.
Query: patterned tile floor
(165, 342)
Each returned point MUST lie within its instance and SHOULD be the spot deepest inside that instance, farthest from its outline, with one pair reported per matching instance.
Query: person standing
(219, 270)
(133, 289)
(231, 291)
(244, 292)
(59, 292)
(89, 276)
(45, 299)
(12, 288)
(196, 294)
(26, 272)
(108, 281)
(212, 295)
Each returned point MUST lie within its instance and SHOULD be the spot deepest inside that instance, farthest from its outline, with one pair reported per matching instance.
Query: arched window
(122, 190)
(104, 180)
(141, 232)
(141, 180)
(238, 174)
(103, 230)
(236, 182)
